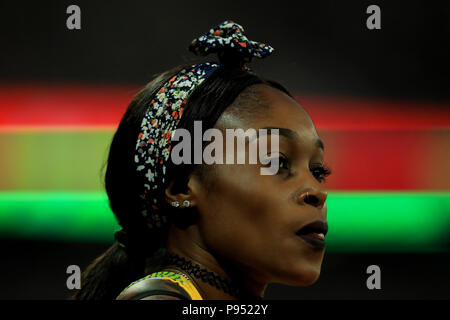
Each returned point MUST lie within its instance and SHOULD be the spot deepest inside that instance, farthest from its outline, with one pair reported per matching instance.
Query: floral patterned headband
(165, 110)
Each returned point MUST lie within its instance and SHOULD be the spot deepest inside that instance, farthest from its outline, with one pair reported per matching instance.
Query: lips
(314, 233)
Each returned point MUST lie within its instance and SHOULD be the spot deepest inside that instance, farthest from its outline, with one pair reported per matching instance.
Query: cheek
(244, 216)
(238, 194)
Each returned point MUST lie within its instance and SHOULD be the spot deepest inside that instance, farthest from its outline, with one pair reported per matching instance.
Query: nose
(315, 198)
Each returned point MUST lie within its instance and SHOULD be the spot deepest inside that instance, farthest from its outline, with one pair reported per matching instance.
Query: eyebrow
(291, 134)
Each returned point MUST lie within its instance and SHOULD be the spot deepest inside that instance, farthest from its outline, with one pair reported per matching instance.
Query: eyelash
(321, 171)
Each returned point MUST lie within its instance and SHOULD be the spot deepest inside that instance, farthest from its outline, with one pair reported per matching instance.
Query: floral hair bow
(165, 110)
(229, 37)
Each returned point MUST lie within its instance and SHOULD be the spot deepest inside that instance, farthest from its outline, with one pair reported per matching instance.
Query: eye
(283, 163)
(321, 172)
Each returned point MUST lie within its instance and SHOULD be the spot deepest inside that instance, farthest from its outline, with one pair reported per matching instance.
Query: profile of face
(251, 220)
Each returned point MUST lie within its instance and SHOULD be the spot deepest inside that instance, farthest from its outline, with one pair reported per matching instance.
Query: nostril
(312, 200)
(316, 199)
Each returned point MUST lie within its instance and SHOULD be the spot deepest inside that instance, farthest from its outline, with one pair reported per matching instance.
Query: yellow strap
(177, 278)
(188, 286)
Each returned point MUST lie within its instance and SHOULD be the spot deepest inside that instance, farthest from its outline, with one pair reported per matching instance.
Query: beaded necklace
(209, 277)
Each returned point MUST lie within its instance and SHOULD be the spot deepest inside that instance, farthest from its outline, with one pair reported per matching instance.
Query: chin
(304, 276)
(312, 278)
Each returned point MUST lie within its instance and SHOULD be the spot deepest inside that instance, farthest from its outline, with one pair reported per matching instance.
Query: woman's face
(251, 220)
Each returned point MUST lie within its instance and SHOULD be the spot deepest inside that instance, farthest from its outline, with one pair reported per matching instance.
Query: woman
(211, 231)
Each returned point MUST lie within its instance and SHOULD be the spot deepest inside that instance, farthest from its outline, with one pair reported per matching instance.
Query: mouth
(314, 233)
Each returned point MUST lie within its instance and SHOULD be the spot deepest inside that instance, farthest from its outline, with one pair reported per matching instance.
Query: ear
(182, 192)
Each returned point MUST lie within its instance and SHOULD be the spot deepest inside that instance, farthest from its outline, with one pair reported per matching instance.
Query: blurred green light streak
(358, 221)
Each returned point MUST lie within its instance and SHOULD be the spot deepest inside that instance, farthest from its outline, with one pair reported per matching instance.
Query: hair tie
(132, 242)
(121, 238)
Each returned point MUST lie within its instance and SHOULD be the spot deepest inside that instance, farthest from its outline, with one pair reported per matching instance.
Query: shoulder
(149, 288)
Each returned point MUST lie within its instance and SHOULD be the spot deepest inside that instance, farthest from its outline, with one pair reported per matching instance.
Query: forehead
(284, 112)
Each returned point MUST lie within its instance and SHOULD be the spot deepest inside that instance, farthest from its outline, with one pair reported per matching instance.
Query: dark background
(37, 270)
(323, 47)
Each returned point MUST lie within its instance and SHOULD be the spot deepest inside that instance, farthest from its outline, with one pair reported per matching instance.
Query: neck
(185, 245)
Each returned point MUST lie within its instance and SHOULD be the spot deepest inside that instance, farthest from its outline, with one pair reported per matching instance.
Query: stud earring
(186, 203)
(175, 204)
